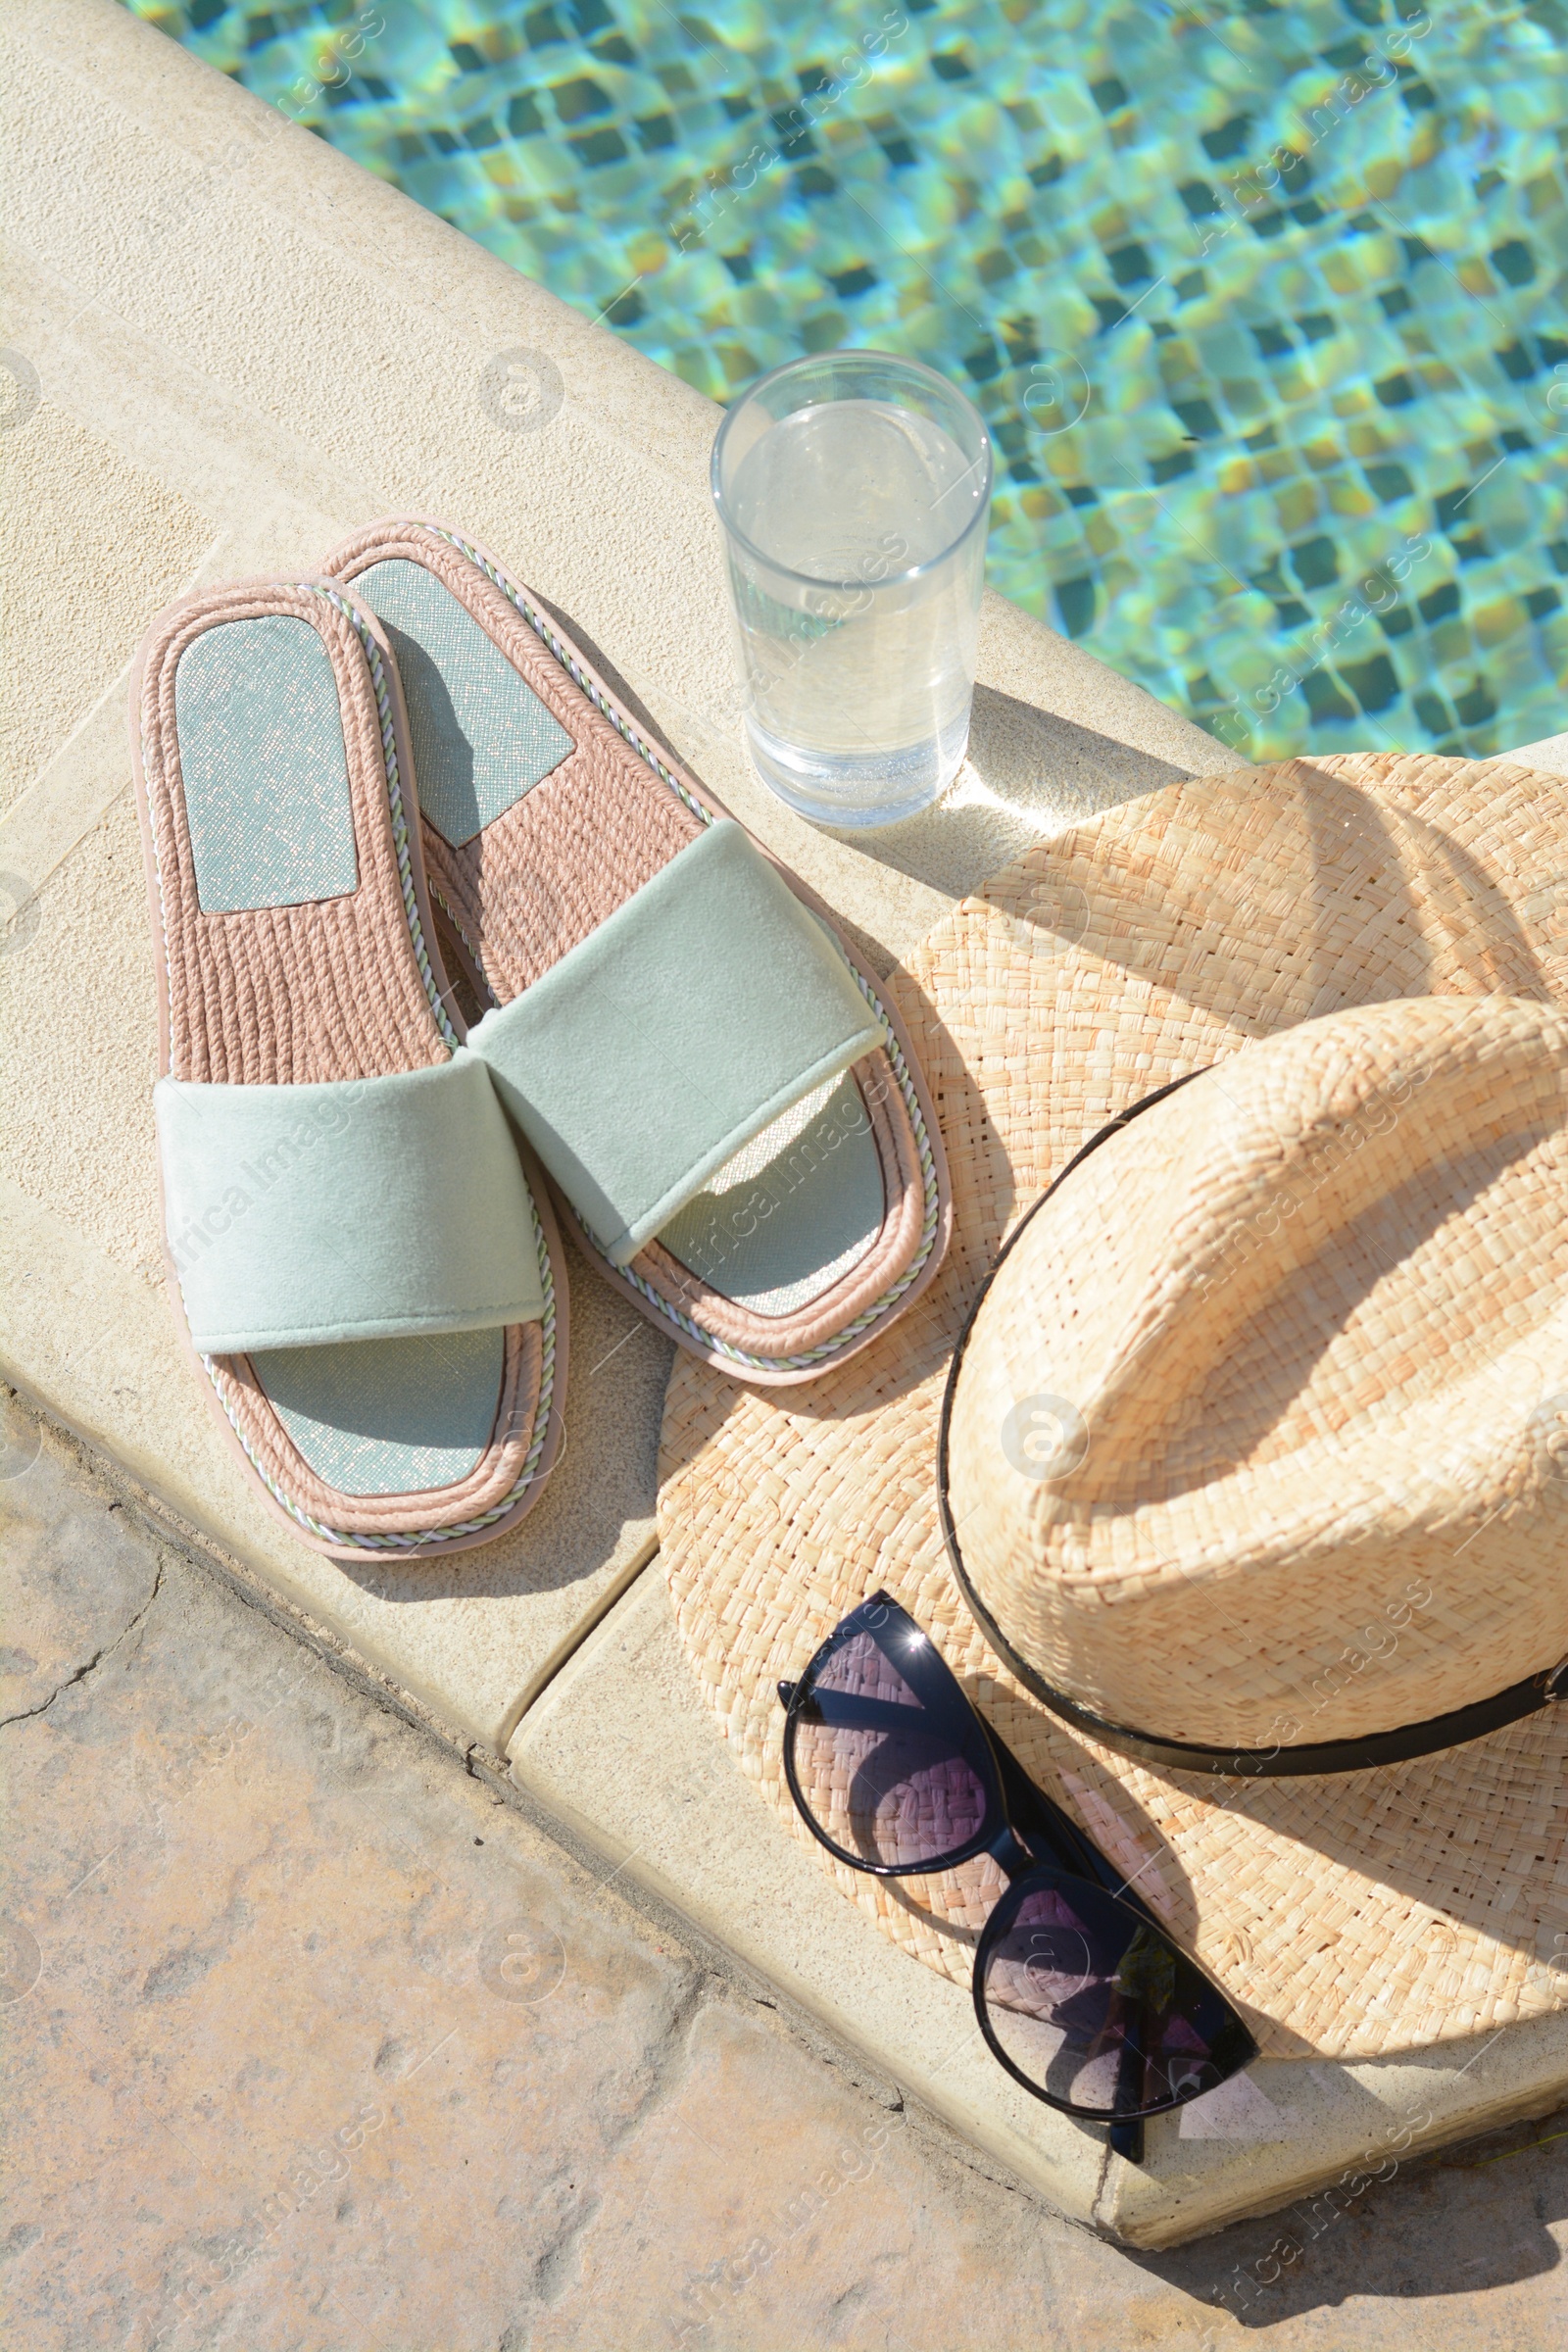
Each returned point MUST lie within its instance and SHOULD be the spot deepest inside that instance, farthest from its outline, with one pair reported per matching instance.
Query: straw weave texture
(1347, 1915)
(1300, 1322)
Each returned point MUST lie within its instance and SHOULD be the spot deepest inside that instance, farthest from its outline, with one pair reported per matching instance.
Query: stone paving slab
(317, 2044)
(1550, 753)
(621, 1746)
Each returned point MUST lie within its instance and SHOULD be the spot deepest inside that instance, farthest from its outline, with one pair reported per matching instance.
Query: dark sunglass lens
(884, 1777)
(1096, 2008)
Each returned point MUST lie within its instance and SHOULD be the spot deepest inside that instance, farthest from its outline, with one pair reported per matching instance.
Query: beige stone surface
(621, 1746)
(1550, 753)
(316, 2045)
(76, 1109)
(82, 578)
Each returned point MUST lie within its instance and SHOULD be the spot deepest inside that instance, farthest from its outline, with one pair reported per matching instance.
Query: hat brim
(1347, 1915)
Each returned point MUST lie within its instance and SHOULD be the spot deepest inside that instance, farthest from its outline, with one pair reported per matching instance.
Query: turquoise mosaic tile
(1264, 304)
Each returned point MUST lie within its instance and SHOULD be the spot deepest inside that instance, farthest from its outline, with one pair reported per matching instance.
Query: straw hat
(1258, 1439)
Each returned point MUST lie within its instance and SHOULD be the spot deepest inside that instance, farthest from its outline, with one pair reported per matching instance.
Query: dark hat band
(1367, 1754)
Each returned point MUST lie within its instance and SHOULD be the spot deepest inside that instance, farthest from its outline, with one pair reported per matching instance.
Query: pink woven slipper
(565, 846)
(371, 1288)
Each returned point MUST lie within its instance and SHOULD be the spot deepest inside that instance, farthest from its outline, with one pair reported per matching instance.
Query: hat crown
(1252, 1435)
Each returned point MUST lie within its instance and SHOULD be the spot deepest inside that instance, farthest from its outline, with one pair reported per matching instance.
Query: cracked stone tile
(317, 2044)
(69, 1592)
(762, 2207)
(335, 2042)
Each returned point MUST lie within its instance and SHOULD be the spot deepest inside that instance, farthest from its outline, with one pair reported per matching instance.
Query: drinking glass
(854, 490)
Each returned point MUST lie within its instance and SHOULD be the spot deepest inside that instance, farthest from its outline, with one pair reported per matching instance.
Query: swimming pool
(1264, 304)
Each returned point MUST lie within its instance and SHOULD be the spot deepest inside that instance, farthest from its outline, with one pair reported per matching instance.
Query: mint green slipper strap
(370, 1208)
(705, 1006)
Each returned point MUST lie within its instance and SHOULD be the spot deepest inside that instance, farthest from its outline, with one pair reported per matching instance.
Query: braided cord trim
(445, 906)
(427, 1540)
(890, 1297)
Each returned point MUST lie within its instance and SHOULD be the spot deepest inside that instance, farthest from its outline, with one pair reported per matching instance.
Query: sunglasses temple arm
(1127, 2131)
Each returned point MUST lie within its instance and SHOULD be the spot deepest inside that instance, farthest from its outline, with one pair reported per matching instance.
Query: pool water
(1264, 304)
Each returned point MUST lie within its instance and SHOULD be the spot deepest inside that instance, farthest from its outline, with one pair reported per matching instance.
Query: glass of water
(853, 489)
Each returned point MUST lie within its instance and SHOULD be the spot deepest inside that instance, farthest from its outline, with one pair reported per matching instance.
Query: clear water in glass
(856, 546)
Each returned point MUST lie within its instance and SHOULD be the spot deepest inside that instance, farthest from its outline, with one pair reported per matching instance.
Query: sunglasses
(1078, 1991)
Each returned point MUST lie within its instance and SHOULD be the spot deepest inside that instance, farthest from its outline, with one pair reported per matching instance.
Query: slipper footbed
(323, 987)
(783, 1251)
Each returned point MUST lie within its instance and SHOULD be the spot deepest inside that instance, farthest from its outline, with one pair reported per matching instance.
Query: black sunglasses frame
(1030, 1839)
